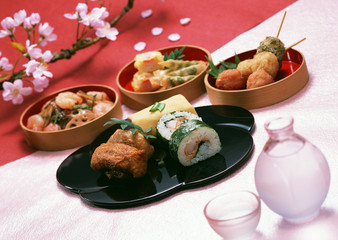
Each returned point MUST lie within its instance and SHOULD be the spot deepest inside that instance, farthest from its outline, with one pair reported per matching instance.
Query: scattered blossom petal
(140, 46)
(146, 13)
(15, 91)
(185, 21)
(156, 31)
(174, 37)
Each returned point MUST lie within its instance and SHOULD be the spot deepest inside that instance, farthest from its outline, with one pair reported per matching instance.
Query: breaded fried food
(118, 160)
(259, 78)
(230, 79)
(266, 61)
(124, 155)
(136, 140)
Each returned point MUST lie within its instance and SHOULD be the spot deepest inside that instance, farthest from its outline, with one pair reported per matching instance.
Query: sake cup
(234, 215)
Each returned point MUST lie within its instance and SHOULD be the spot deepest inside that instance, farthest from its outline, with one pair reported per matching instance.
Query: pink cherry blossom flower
(15, 91)
(20, 17)
(80, 8)
(31, 67)
(33, 51)
(40, 83)
(31, 21)
(107, 31)
(8, 25)
(4, 64)
(46, 34)
(47, 56)
(94, 18)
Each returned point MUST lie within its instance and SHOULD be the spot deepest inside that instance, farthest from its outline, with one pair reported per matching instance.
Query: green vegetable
(158, 106)
(132, 127)
(224, 66)
(177, 54)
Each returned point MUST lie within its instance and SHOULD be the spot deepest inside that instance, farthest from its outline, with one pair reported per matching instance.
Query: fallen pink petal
(185, 21)
(156, 31)
(174, 37)
(146, 13)
(140, 46)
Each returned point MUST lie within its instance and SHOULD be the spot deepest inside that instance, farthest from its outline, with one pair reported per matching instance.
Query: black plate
(164, 176)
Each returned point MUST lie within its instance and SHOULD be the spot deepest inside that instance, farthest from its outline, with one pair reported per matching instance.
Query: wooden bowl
(291, 78)
(190, 90)
(73, 137)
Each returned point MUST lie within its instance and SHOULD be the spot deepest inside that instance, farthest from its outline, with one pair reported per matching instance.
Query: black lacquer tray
(164, 176)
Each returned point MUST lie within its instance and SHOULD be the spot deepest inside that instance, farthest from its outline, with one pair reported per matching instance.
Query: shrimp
(52, 127)
(35, 122)
(102, 107)
(99, 96)
(67, 100)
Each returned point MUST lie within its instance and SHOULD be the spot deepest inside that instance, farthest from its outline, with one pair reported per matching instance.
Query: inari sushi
(169, 122)
(194, 141)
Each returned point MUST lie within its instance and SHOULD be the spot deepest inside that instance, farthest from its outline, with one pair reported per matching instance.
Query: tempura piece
(245, 68)
(230, 79)
(259, 78)
(145, 82)
(148, 61)
(273, 45)
(266, 61)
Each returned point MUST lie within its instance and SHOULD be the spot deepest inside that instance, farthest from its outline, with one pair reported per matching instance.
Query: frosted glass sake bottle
(292, 176)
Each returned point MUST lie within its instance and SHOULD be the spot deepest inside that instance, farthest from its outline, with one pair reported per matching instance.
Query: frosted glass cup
(234, 215)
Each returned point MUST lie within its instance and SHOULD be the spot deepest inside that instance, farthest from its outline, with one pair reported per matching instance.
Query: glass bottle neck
(280, 128)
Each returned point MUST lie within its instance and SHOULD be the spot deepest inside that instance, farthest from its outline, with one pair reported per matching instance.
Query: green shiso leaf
(224, 66)
(124, 124)
(176, 54)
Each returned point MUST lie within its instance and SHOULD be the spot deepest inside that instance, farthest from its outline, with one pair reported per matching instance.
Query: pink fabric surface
(34, 206)
(100, 63)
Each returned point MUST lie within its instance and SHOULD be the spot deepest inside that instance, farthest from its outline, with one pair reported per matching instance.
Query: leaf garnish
(176, 54)
(125, 124)
(158, 106)
(223, 66)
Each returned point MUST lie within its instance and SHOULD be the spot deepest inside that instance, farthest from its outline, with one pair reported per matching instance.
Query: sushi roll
(169, 122)
(194, 141)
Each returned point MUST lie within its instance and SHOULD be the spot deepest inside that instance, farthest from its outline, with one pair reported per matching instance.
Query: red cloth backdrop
(213, 24)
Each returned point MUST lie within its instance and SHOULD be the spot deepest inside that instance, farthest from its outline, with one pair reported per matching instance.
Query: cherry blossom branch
(35, 71)
(86, 42)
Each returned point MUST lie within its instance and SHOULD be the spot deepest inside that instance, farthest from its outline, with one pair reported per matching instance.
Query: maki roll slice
(194, 141)
(169, 122)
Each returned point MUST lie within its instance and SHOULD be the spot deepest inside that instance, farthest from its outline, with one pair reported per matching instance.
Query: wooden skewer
(295, 44)
(280, 26)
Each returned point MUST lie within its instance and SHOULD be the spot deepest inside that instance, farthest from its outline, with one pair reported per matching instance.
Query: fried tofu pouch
(146, 119)
(125, 154)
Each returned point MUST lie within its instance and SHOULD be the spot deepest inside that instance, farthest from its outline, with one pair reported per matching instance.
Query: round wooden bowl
(73, 137)
(291, 78)
(190, 90)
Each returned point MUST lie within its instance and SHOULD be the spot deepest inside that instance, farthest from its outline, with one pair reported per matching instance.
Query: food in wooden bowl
(157, 75)
(257, 78)
(70, 117)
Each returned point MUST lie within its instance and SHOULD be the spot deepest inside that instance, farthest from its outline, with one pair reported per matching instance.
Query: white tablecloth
(34, 206)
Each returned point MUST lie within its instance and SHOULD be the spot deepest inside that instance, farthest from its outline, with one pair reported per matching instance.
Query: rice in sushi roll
(194, 141)
(169, 122)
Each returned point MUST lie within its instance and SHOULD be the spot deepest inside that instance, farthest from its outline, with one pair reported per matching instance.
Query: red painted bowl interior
(291, 62)
(127, 73)
(36, 107)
